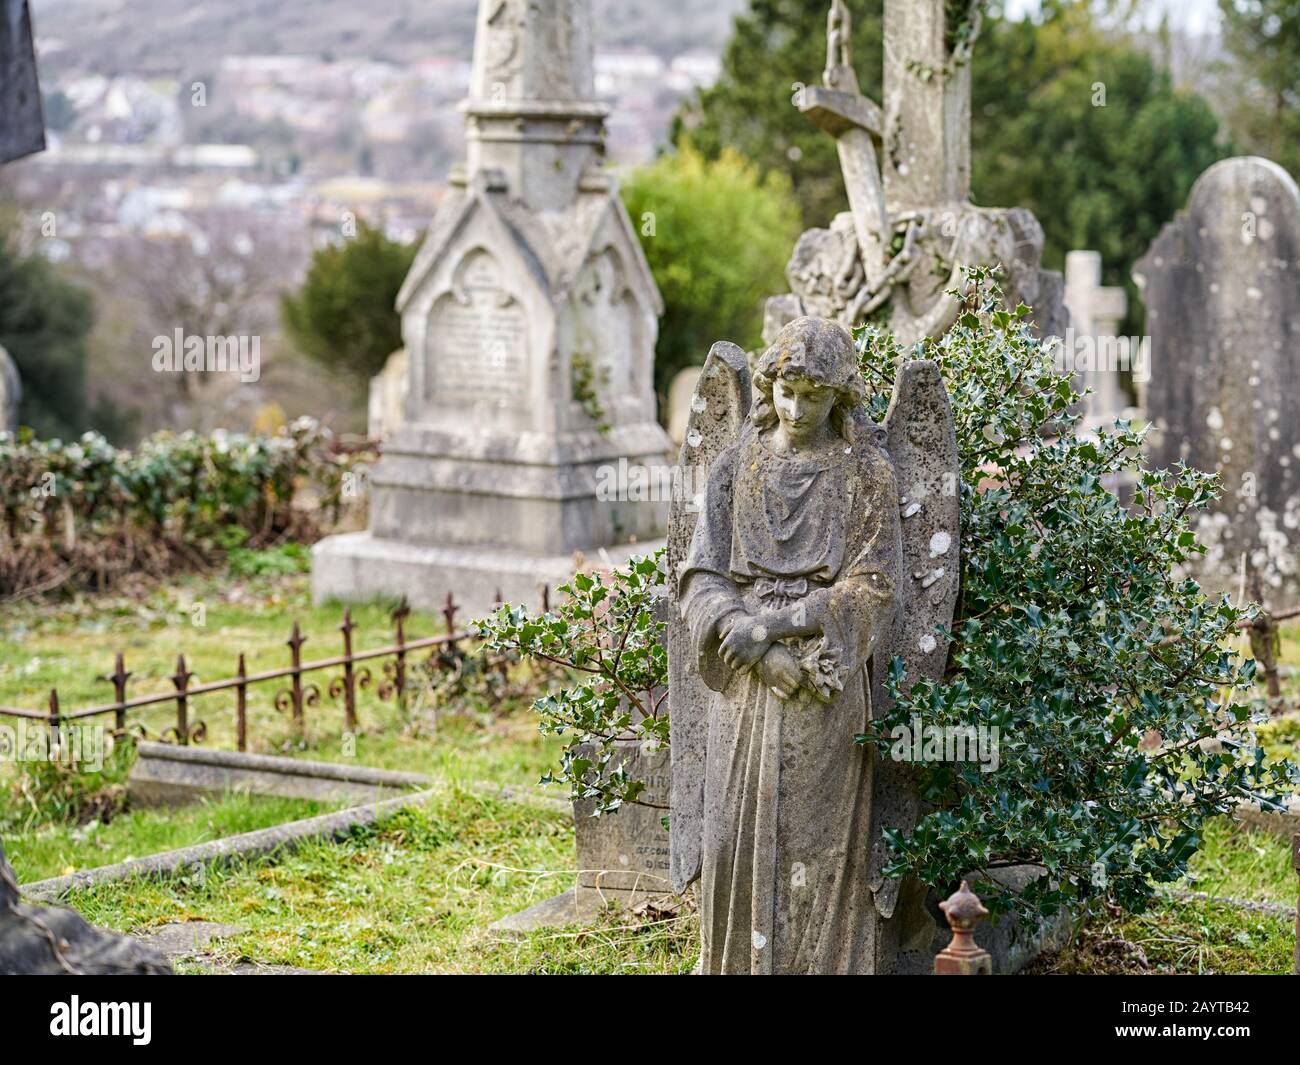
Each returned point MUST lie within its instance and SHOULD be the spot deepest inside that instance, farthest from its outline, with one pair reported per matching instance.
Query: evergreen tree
(44, 322)
(344, 315)
(1264, 37)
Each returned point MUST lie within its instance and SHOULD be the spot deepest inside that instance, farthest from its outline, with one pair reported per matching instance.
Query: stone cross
(1096, 311)
(925, 129)
(911, 231)
(927, 105)
(855, 122)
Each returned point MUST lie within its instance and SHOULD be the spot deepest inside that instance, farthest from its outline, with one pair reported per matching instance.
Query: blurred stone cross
(22, 129)
(1096, 311)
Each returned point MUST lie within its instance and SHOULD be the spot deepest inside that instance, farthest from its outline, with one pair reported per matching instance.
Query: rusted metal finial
(963, 956)
(449, 609)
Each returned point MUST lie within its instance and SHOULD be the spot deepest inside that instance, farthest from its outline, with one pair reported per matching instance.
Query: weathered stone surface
(11, 391)
(821, 539)
(246, 845)
(1222, 288)
(181, 940)
(718, 412)
(168, 774)
(623, 857)
(920, 438)
(55, 940)
(556, 911)
(529, 295)
(907, 175)
(385, 410)
(425, 573)
(680, 394)
(23, 129)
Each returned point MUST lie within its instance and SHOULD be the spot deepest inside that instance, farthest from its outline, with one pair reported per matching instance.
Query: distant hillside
(137, 36)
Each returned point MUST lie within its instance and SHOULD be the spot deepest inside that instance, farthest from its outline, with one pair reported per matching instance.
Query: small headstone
(680, 394)
(1222, 288)
(623, 857)
(386, 409)
(11, 390)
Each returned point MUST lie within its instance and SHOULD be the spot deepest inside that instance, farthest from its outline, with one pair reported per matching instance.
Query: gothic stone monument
(529, 293)
(1222, 288)
(911, 228)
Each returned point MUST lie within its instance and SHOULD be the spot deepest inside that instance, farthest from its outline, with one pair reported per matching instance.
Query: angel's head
(807, 379)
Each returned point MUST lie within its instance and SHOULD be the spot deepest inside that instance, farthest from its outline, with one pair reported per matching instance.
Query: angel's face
(803, 407)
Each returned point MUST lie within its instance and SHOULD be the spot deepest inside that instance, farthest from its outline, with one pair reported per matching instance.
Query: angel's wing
(718, 410)
(921, 440)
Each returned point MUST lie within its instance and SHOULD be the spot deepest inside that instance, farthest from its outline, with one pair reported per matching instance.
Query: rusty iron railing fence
(444, 652)
(295, 698)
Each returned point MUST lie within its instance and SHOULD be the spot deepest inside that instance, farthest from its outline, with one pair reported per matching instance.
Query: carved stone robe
(784, 877)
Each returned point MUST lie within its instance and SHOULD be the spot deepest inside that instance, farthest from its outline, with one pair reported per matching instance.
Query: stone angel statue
(818, 546)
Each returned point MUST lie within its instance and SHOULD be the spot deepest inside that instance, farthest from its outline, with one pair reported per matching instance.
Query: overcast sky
(1193, 16)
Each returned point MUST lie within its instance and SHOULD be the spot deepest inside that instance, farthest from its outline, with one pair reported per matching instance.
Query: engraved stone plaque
(628, 851)
(478, 339)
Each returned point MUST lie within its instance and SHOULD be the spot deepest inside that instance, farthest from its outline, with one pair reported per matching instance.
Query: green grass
(211, 620)
(1191, 938)
(69, 645)
(57, 850)
(416, 893)
(1243, 863)
(1200, 936)
(413, 894)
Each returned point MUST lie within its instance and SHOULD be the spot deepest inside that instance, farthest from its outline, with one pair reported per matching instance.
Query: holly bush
(606, 637)
(1124, 714)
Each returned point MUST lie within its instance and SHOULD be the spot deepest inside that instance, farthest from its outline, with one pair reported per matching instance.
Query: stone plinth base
(357, 567)
(579, 905)
(165, 774)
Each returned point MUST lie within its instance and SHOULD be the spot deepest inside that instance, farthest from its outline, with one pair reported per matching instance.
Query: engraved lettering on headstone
(478, 343)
